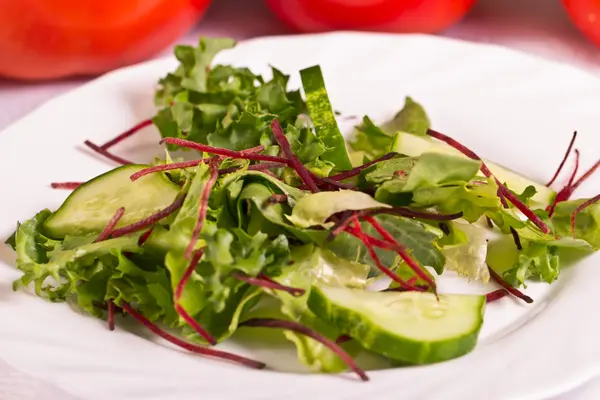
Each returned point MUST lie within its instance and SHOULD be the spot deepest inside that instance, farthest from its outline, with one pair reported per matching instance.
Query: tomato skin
(372, 15)
(585, 14)
(45, 39)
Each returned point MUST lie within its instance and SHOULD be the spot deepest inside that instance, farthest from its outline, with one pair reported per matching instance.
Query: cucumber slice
(412, 326)
(413, 146)
(91, 206)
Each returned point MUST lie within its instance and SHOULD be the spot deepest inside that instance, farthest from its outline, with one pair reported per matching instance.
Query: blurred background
(50, 46)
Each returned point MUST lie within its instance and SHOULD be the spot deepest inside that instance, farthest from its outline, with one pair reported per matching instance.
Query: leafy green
(316, 208)
(374, 141)
(587, 222)
(466, 250)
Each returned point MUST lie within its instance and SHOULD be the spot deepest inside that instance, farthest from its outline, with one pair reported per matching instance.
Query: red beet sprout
(357, 170)
(514, 291)
(585, 204)
(109, 228)
(65, 185)
(418, 270)
(502, 190)
(214, 173)
(126, 134)
(179, 292)
(111, 315)
(357, 231)
(303, 330)
(562, 163)
(107, 153)
(585, 176)
(151, 220)
(293, 161)
(224, 152)
(144, 237)
(268, 284)
(495, 295)
(188, 346)
(343, 339)
(516, 238)
(165, 167)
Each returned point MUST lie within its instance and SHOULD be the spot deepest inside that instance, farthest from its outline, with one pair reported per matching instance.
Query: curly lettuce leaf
(465, 250)
(374, 141)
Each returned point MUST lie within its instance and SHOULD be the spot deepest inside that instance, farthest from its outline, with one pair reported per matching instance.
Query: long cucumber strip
(323, 119)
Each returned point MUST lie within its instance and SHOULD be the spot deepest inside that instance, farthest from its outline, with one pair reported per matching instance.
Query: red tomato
(41, 39)
(586, 16)
(379, 15)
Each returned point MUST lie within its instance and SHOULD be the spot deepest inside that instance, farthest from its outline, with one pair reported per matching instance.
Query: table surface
(536, 26)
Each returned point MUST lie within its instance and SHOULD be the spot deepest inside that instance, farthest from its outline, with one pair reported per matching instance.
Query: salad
(272, 219)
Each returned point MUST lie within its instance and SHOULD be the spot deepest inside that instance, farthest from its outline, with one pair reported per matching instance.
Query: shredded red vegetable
(144, 237)
(496, 295)
(126, 134)
(224, 152)
(151, 220)
(179, 292)
(357, 231)
(357, 170)
(188, 346)
(303, 330)
(261, 281)
(214, 173)
(65, 185)
(109, 228)
(293, 161)
(418, 270)
(562, 163)
(106, 153)
(514, 291)
(111, 315)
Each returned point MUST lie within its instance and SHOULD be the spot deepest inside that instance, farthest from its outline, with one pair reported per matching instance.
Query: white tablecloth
(534, 26)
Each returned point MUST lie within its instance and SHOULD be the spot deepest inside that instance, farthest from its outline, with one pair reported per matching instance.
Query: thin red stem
(268, 284)
(357, 170)
(496, 295)
(109, 228)
(514, 291)
(574, 214)
(224, 152)
(516, 238)
(188, 346)
(65, 185)
(303, 330)
(343, 339)
(293, 161)
(418, 270)
(111, 315)
(585, 176)
(166, 167)
(107, 153)
(151, 220)
(144, 237)
(127, 134)
(358, 232)
(565, 157)
(502, 190)
(575, 170)
(208, 185)
(187, 274)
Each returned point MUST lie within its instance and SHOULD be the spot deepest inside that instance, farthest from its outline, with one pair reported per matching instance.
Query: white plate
(510, 107)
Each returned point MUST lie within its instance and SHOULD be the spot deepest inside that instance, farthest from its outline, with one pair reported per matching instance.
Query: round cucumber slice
(413, 146)
(91, 206)
(413, 327)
